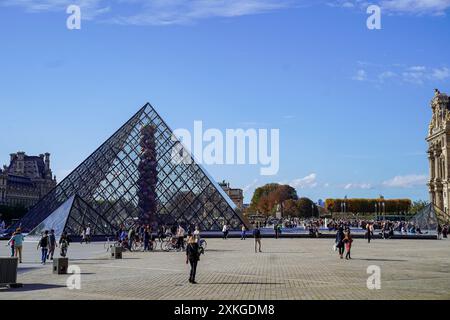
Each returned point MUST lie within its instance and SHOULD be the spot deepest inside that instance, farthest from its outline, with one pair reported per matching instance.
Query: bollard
(8, 272)
(116, 252)
(60, 265)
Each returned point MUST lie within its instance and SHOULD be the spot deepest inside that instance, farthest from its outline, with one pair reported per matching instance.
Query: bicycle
(172, 245)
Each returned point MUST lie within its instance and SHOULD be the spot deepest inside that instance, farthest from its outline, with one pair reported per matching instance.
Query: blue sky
(352, 104)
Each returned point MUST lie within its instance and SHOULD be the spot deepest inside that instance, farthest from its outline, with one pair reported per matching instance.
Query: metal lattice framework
(104, 186)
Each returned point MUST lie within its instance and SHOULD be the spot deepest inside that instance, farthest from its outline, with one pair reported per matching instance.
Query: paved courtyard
(288, 269)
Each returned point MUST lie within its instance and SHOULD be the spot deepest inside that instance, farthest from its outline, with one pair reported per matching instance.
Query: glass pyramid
(426, 219)
(106, 187)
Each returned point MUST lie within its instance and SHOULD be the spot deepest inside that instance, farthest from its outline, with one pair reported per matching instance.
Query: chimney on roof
(47, 161)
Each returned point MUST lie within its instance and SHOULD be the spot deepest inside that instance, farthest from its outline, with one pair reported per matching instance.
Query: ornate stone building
(26, 180)
(439, 151)
(236, 195)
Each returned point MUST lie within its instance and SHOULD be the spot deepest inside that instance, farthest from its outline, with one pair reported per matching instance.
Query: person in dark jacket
(340, 241)
(192, 257)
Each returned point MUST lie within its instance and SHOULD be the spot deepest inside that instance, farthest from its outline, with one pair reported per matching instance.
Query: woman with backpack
(43, 244)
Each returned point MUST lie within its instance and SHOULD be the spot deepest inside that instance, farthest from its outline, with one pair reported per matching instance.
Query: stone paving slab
(287, 269)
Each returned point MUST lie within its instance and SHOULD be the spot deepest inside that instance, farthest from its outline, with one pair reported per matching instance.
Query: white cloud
(358, 186)
(155, 12)
(415, 7)
(416, 74)
(440, 74)
(407, 181)
(386, 75)
(310, 181)
(361, 75)
(435, 7)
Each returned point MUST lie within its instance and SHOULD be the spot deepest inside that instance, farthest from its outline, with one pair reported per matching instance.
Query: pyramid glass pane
(106, 185)
(56, 220)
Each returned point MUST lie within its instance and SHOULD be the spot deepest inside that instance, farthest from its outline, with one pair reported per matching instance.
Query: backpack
(43, 242)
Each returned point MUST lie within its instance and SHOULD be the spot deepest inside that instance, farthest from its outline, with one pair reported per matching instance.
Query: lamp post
(384, 210)
(376, 211)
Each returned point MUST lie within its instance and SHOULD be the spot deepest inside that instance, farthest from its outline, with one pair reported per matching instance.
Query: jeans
(130, 245)
(12, 251)
(341, 249)
(44, 255)
(193, 270)
(51, 251)
(243, 235)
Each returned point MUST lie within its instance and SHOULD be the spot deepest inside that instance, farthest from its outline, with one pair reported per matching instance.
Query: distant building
(236, 195)
(26, 180)
(438, 151)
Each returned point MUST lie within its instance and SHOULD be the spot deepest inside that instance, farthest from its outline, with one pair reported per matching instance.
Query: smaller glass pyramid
(56, 220)
(426, 219)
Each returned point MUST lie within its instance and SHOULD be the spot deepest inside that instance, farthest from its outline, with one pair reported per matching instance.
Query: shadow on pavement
(241, 282)
(37, 286)
(381, 260)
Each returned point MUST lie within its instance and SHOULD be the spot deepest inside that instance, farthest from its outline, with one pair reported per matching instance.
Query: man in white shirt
(180, 235)
(88, 234)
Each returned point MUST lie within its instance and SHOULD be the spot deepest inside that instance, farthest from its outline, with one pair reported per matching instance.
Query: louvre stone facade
(26, 180)
(439, 151)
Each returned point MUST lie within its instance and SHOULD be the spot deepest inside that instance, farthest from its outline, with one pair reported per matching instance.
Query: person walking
(11, 244)
(180, 237)
(161, 233)
(192, 257)
(439, 232)
(83, 235)
(225, 231)
(88, 234)
(146, 237)
(197, 234)
(43, 244)
(51, 244)
(131, 238)
(348, 240)
(340, 241)
(369, 230)
(275, 228)
(257, 236)
(64, 243)
(243, 232)
(17, 239)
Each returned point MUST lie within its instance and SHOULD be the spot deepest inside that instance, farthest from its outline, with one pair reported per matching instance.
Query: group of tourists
(47, 244)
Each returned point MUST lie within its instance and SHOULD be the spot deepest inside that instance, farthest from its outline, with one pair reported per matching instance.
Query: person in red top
(348, 243)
